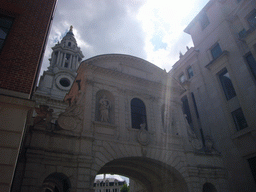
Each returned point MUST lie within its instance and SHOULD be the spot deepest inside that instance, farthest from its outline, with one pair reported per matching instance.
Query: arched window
(138, 113)
(69, 44)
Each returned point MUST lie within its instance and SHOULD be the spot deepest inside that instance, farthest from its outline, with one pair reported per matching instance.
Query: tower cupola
(66, 54)
(65, 59)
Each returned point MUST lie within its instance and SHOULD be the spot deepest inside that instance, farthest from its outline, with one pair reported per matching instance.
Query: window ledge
(243, 132)
(209, 65)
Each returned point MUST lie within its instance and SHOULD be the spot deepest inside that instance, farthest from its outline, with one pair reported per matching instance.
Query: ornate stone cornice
(117, 74)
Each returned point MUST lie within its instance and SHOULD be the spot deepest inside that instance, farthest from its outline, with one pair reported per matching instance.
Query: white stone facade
(216, 109)
(110, 184)
(162, 155)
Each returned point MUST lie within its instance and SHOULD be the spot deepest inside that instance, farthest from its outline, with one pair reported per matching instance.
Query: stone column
(60, 60)
(74, 63)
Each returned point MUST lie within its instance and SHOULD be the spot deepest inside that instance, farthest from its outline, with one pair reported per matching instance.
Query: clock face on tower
(64, 82)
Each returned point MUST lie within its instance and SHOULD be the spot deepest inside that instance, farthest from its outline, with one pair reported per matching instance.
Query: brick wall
(20, 56)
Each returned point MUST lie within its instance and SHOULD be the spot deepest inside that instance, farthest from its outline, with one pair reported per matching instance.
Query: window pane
(138, 113)
(227, 85)
(239, 119)
(3, 33)
(190, 72)
(1, 43)
(252, 63)
(216, 51)
(252, 163)
(242, 33)
(252, 20)
(186, 109)
(182, 78)
(5, 25)
(194, 101)
(204, 21)
(5, 22)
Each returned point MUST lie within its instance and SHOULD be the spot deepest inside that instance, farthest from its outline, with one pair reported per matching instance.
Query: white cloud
(127, 27)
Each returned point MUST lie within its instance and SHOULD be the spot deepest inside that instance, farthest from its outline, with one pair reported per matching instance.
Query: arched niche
(56, 182)
(105, 107)
(208, 187)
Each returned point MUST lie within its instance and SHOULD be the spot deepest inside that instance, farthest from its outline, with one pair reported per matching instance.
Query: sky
(149, 29)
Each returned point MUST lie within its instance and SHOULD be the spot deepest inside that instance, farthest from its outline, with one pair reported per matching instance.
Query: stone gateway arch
(124, 117)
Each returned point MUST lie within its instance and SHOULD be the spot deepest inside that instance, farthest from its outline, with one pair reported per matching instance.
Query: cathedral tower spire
(65, 59)
(66, 54)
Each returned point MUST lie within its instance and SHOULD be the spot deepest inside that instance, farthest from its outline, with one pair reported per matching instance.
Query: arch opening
(151, 175)
(56, 182)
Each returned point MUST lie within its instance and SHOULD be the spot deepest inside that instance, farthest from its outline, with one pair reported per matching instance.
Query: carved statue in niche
(195, 142)
(104, 109)
(209, 145)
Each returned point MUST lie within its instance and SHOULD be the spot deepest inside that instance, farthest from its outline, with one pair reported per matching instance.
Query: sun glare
(163, 23)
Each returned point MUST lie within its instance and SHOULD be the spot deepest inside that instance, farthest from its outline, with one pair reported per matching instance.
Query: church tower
(57, 80)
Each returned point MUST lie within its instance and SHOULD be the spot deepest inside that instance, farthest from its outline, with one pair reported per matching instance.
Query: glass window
(252, 19)
(186, 110)
(5, 26)
(252, 63)
(138, 113)
(204, 21)
(216, 51)
(242, 33)
(227, 85)
(190, 72)
(252, 163)
(239, 119)
(182, 78)
(195, 106)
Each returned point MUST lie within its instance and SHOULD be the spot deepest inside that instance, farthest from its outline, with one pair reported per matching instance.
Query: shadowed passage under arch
(153, 175)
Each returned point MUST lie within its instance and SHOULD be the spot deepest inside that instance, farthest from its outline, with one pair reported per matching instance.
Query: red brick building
(21, 50)
(24, 27)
